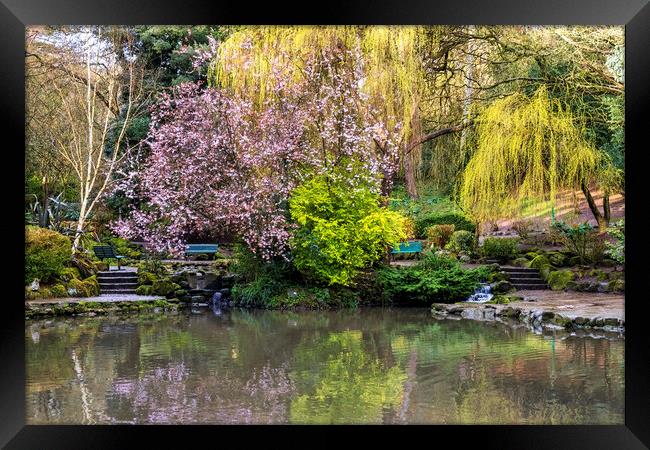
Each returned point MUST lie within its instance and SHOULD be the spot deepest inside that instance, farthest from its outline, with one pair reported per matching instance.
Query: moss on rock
(164, 287)
(559, 279)
(520, 262)
(69, 273)
(59, 290)
(502, 287)
(539, 261)
(556, 259)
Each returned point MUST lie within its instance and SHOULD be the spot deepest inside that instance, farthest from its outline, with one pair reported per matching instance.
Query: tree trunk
(409, 174)
(606, 209)
(602, 221)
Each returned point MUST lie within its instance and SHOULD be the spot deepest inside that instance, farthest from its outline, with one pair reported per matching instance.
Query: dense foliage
(341, 229)
(46, 253)
(502, 249)
(434, 279)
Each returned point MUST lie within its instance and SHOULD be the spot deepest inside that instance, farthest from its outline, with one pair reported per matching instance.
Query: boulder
(539, 261)
(164, 287)
(520, 262)
(502, 287)
(616, 286)
(35, 285)
(556, 259)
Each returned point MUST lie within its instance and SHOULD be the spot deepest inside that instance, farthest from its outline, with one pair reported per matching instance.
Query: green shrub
(143, 290)
(92, 285)
(80, 288)
(258, 280)
(559, 279)
(147, 278)
(457, 219)
(581, 240)
(502, 249)
(439, 235)
(341, 229)
(435, 279)
(46, 253)
(462, 241)
(522, 228)
(124, 247)
(68, 273)
(616, 250)
(58, 290)
(164, 287)
(557, 259)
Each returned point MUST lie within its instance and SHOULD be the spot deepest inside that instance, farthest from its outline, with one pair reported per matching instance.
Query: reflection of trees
(363, 366)
(346, 383)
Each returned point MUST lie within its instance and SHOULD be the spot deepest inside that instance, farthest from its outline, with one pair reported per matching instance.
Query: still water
(363, 366)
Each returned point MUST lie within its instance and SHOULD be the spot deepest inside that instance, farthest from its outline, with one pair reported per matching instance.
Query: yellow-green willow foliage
(527, 150)
(392, 69)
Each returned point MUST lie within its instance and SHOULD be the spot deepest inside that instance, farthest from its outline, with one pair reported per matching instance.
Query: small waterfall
(216, 303)
(482, 294)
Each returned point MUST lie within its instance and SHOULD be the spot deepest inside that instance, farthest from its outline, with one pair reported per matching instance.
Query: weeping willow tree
(528, 149)
(391, 64)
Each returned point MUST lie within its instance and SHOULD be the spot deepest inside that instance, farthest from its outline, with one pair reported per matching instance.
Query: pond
(371, 365)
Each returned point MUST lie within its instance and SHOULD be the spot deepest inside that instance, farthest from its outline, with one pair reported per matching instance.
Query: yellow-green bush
(341, 229)
(46, 253)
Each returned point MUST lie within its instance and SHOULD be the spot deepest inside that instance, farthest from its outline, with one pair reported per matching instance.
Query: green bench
(201, 249)
(414, 247)
(107, 252)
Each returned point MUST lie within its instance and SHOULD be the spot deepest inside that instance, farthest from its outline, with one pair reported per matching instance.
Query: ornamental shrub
(616, 250)
(582, 240)
(435, 279)
(341, 229)
(502, 249)
(459, 220)
(462, 241)
(46, 253)
(439, 235)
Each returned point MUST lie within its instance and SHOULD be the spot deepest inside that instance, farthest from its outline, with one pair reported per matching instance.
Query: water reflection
(363, 366)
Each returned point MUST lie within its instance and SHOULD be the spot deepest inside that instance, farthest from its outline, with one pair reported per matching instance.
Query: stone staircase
(524, 278)
(117, 282)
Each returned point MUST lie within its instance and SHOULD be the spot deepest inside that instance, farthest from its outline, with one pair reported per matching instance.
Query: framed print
(405, 216)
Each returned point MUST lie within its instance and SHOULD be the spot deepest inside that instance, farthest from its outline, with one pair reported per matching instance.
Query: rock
(497, 276)
(597, 322)
(608, 263)
(464, 258)
(164, 287)
(539, 261)
(580, 321)
(502, 287)
(587, 286)
(509, 311)
(556, 259)
(611, 321)
(559, 279)
(616, 286)
(520, 262)
(59, 290)
(599, 274)
(616, 276)
(531, 255)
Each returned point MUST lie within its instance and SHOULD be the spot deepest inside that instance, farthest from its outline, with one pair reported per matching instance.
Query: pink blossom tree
(221, 163)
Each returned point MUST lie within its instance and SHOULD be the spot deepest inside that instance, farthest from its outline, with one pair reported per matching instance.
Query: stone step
(522, 287)
(118, 285)
(519, 276)
(526, 280)
(117, 291)
(518, 269)
(117, 280)
(117, 274)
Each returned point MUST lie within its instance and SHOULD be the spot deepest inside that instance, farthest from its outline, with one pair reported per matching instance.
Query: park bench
(408, 247)
(198, 249)
(107, 252)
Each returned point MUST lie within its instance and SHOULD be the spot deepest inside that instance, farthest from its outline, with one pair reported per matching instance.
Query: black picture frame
(16, 14)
